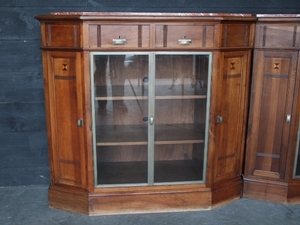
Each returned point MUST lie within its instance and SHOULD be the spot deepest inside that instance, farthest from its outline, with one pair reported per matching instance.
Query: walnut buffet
(148, 112)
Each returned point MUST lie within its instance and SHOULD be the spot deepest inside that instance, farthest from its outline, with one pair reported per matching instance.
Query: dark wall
(23, 137)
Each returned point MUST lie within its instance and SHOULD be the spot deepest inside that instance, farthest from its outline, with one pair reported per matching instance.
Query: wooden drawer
(277, 36)
(184, 36)
(119, 36)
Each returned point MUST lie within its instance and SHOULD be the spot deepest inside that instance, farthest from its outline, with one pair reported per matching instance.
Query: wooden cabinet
(146, 112)
(274, 112)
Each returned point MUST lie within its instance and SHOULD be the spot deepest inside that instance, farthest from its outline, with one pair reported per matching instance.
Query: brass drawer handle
(184, 41)
(119, 41)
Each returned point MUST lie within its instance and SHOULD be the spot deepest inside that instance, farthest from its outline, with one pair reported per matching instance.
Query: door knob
(288, 118)
(151, 120)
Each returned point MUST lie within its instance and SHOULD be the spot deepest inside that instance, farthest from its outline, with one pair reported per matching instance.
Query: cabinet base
(158, 200)
(272, 191)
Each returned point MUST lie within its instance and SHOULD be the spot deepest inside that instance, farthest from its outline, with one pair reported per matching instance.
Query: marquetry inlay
(232, 66)
(65, 67)
(276, 66)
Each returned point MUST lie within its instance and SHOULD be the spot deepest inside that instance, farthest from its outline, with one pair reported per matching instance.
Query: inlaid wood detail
(99, 35)
(66, 137)
(276, 66)
(135, 36)
(236, 35)
(274, 80)
(201, 36)
(62, 35)
(232, 66)
(69, 172)
(277, 36)
(231, 86)
(65, 67)
(268, 155)
(65, 77)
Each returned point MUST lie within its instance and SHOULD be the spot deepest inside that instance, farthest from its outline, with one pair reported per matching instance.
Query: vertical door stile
(151, 110)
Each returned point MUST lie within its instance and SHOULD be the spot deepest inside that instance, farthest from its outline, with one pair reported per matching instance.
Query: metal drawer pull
(184, 41)
(119, 41)
(219, 119)
(288, 118)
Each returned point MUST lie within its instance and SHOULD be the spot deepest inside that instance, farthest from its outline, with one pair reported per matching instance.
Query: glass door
(182, 89)
(120, 117)
(297, 156)
(150, 117)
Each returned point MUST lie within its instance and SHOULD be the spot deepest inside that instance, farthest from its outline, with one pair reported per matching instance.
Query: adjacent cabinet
(272, 155)
(154, 112)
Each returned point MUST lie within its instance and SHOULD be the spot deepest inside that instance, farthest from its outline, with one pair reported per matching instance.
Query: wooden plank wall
(23, 142)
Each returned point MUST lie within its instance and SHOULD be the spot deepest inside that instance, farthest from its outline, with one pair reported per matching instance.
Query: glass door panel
(297, 156)
(120, 128)
(181, 106)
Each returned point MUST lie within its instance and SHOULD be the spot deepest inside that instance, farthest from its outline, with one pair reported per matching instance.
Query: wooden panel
(272, 97)
(150, 202)
(236, 35)
(277, 36)
(231, 106)
(201, 36)
(68, 200)
(64, 112)
(137, 36)
(62, 35)
(266, 190)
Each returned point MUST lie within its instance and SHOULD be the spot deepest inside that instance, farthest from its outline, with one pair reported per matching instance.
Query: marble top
(164, 14)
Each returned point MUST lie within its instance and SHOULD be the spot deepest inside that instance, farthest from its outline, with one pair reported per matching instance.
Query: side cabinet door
(64, 109)
(229, 119)
(270, 113)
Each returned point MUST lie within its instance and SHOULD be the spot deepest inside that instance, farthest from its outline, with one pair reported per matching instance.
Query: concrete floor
(28, 206)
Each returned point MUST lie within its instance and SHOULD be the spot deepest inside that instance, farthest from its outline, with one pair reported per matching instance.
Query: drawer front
(119, 36)
(184, 36)
(277, 36)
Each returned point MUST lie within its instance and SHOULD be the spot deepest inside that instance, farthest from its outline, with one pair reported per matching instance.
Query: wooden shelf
(140, 92)
(136, 172)
(137, 134)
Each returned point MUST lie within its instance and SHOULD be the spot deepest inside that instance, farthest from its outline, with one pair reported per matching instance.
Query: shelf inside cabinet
(110, 135)
(127, 92)
(136, 172)
(114, 135)
(122, 172)
(178, 134)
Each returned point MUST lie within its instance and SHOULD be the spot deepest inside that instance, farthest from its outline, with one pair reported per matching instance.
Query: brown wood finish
(271, 140)
(273, 98)
(232, 86)
(63, 78)
(68, 39)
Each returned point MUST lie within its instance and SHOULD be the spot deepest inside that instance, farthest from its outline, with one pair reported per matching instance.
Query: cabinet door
(231, 93)
(120, 117)
(64, 107)
(270, 113)
(150, 117)
(182, 88)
